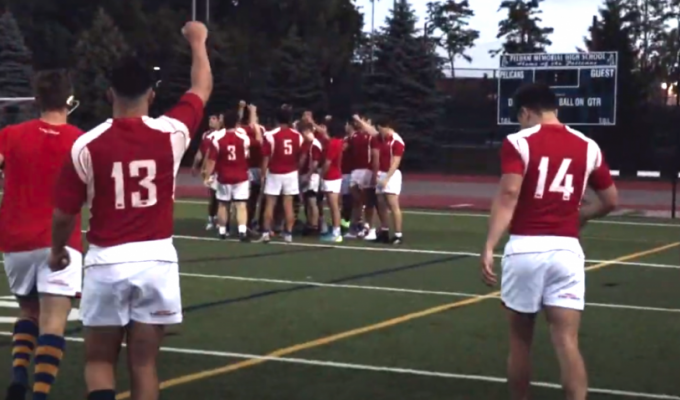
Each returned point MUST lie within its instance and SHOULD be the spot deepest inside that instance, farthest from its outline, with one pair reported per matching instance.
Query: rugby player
(229, 161)
(281, 152)
(125, 169)
(215, 124)
(332, 180)
(361, 180)
(33, 153)
(309, 175)
(546, 168)
(250, 123)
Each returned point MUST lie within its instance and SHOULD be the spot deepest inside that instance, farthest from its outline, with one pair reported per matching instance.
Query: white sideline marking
(482, 215)
(400, 290)
(413, 251)
(404, 371)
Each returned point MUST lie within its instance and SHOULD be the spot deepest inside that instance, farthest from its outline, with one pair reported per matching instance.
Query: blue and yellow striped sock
(23, 344)
(47, 359)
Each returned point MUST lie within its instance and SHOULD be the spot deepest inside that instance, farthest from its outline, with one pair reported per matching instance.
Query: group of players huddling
(268, 175)
(125, 171)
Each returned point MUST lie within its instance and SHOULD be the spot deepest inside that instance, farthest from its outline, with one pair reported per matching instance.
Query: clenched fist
(195, 32)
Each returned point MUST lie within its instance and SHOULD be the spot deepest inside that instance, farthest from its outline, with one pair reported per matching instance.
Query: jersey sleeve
(511, 160)
(188, 112)
(71, 189)
(601, 177)
(398, 148)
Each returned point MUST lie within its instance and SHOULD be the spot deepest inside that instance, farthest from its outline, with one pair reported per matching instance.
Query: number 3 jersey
(125, 170)
(557, 164)
(230, 153)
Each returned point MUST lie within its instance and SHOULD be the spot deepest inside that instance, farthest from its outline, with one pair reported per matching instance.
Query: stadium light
(664, 86)
(156, 68)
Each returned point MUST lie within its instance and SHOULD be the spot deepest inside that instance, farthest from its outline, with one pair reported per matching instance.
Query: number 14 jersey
(557, 164)
(125, 170)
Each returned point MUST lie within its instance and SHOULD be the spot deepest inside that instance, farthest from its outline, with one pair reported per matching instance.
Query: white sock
(242, 229)
(397, 234)
(336, 231)
(223, 230)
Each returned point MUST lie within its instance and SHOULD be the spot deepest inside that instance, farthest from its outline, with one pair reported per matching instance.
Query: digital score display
(585, 84)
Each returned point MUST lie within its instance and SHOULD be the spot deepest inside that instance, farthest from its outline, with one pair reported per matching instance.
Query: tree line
(315, 54)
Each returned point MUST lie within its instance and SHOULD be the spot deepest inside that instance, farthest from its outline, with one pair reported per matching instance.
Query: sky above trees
(570, 18)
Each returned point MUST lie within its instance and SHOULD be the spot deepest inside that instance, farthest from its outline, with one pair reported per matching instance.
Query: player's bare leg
(519, 359)
(223, 218)
(241, 208)
(102, 347)
(212, 210)
(323, 227)
(333, 200)
(371, 203)
(393, 204)
(268, 217)
(289, 217)
(144, 342)
(24, 340)
(564, 327)
(383, 215)
(54, 312)
(312, 212)
(253, 206)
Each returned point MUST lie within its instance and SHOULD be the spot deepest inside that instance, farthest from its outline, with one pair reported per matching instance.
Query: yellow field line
(369, 328)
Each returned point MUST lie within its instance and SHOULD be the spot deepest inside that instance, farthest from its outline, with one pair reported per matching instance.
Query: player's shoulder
(93, 134)
(273, 132)
(397, 138)
(316, 143)
(523, 134)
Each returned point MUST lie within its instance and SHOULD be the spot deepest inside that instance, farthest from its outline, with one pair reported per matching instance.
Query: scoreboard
(585, 85)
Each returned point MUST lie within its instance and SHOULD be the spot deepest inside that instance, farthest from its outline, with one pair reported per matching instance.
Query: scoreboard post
(585, 85)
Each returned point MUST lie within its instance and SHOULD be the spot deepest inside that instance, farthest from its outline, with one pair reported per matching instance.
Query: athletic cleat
(287, 237)
(370, 236)
(351, 234)
(244, 238)
(345, 224)
(397, 240)
(209, 226)
(383, 237)
(16, 391)
(223, 236)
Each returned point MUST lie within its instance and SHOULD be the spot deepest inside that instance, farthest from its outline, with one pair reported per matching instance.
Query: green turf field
(355, 322)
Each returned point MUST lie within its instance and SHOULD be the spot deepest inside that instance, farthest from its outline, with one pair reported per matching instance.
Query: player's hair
(231, 119)
(284, 116)
(304, 126)
(130, 78)
(336, 128)
(536, 97)
(53, 89)
(384, 122)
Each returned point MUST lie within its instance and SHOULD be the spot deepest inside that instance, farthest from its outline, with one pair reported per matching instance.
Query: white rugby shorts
(334, 186)
(147, 292)
(282, 184)
(553, 278)
(346, 184)
(361, 178)
(28, 270)
(312, 185)
(393, 186)
(233, 192)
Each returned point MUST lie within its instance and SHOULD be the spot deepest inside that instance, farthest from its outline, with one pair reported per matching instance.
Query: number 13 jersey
(125, 170)
(557, 164)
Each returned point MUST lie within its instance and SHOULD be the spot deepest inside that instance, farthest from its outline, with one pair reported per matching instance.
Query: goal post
(14, 110)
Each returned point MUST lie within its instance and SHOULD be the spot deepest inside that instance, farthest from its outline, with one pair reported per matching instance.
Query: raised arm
(365, 126)
(196, 34)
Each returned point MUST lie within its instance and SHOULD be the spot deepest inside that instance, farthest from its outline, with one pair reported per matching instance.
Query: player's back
(232, 157)
(558, 164)
(34, 153)
(285, 146)
(131, 164)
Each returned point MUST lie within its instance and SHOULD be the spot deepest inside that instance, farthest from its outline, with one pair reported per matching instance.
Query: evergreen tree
(15, 60)
(449, 21)
(294, 77)
(404, 84)
(521, 30)
(98, 50)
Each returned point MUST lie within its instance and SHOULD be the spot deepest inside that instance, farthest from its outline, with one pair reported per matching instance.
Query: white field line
(398, 290)
(484, 215)
(403, 371)
(413, 251)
